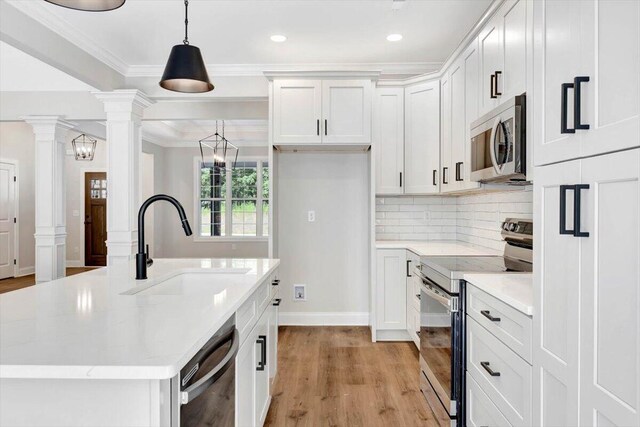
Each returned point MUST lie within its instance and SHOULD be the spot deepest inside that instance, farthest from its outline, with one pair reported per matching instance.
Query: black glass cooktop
(455, 267)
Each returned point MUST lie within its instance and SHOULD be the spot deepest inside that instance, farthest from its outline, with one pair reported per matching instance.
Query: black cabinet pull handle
(492, 85)
(434, 177)
(577, 102)
(459, 171)
(563, 208)
(325, 127)
(408, 267)
(563, 108)
(444, 175)
(318, 127)
(577, 209)
(418, 333)
(487, 314)
(262, 340)
(419, 296)
(275, 282)
(496, 83)
(276, 302)
(400, 179)
(491, 372)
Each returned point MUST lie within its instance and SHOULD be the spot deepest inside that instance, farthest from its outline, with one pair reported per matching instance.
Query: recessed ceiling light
(278, 38)
(394, 37)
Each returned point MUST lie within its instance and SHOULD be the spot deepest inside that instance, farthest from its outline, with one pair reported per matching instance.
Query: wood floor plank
(335, 376)
(15, 283)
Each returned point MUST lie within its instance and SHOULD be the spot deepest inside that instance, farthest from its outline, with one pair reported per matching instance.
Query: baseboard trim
(25, 271)
(74, 263)
(323, 318)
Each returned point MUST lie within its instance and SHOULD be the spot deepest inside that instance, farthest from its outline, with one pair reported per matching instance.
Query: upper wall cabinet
(388, 139)
(503, 51)
(422, 138)
(322, 111)
(586, 78)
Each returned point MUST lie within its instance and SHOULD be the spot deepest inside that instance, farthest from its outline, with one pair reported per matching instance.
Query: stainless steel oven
(207, 382)
(441, 341)
(498, 144)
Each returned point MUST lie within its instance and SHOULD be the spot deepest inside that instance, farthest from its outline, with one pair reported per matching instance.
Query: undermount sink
(212, 281)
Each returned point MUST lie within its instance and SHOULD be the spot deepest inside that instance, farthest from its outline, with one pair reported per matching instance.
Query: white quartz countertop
(83, 327)
(514, 289)
(436, 248)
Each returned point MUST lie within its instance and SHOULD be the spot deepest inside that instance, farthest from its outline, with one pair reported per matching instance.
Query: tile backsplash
(474, 218)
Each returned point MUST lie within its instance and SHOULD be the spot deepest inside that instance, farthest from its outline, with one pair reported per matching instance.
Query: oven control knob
(512, 226)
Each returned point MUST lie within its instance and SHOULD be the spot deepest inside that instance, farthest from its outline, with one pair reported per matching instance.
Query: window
(233, 202)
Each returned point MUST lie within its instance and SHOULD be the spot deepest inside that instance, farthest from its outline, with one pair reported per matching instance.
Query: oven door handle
(492, 146)
(425, 279)
(439, 298)
(205, 382)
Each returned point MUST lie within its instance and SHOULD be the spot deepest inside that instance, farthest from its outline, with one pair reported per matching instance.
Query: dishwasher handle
(212, 376)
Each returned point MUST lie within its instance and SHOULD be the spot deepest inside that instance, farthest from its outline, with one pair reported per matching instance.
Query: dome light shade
(185, 71)
(89, 5)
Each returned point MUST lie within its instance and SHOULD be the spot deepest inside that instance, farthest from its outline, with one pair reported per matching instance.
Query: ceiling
(139, 35)
(21, 72)
(187, 133)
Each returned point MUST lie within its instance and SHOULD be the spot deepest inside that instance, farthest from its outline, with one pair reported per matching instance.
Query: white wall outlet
(311, 215)
(299, 293)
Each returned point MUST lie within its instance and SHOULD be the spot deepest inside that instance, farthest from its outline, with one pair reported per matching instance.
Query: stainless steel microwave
(498, 144)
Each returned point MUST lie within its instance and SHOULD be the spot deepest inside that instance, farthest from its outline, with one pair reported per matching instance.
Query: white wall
(474, 218)
(330, 255)
(17, 143)
(177, 174)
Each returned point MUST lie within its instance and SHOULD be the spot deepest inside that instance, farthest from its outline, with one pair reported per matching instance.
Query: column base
(51, 254)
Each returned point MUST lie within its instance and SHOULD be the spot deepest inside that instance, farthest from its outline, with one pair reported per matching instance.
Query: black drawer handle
(577, 102)
(563, 208)
(418, 296)
(262, 340)
(493, 84)
(276, 302)
(318, 127)
(487, 314)
(444, 175)
(491, 372)
(459, 171)
(418, 333)
(408, 268)
(400, 179)
(434, 177)
(325, 127)
(577, 210)
(275, 282)
(563, 109)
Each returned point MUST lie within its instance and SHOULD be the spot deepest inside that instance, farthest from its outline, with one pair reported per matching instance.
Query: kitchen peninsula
(101, 348)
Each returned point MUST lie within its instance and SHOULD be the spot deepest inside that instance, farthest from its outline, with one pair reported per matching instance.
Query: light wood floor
(335, 376)
(15, 283)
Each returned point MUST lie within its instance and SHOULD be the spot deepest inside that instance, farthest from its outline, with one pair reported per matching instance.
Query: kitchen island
(101, 348)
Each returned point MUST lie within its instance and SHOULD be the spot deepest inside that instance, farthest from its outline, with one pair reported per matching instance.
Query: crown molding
(38, 11)
(252, 70)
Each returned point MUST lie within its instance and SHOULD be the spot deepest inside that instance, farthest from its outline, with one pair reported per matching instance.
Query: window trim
(228, 215)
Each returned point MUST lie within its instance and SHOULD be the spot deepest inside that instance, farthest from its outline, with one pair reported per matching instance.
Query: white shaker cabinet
(422, 138)
(297, 111)
(586, 335)
(346, 111)
(388, 122)
(586, 78)
(446, 184)
(310, 111)
(503, 48)
(391, 302)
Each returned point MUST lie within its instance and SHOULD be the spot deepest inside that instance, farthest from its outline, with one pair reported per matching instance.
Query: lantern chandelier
(84, 147)
(222, 149)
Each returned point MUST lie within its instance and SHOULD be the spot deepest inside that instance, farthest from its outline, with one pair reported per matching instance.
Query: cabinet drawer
(503, 375)
(262, 295)
(480, 410)
(513, 328)
(246, 317)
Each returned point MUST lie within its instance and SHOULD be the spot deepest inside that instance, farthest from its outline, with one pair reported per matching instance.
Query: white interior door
(7, 215)
(610, 291)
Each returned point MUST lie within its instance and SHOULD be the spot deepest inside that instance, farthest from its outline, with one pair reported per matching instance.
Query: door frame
(83, 172)
(16, 205)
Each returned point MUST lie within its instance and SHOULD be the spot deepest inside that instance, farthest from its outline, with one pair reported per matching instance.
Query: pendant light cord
(186, 21)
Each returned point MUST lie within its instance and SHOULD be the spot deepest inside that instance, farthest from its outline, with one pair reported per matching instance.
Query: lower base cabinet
(480, 410)
(256, 366)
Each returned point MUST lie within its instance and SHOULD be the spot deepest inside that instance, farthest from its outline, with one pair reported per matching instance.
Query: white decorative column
(124, 147)
(50, 187)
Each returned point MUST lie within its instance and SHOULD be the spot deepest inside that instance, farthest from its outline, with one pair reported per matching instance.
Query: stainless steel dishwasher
(207, 382)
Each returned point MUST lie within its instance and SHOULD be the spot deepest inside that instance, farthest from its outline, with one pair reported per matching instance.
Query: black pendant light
(89, 5)
(185, 70)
